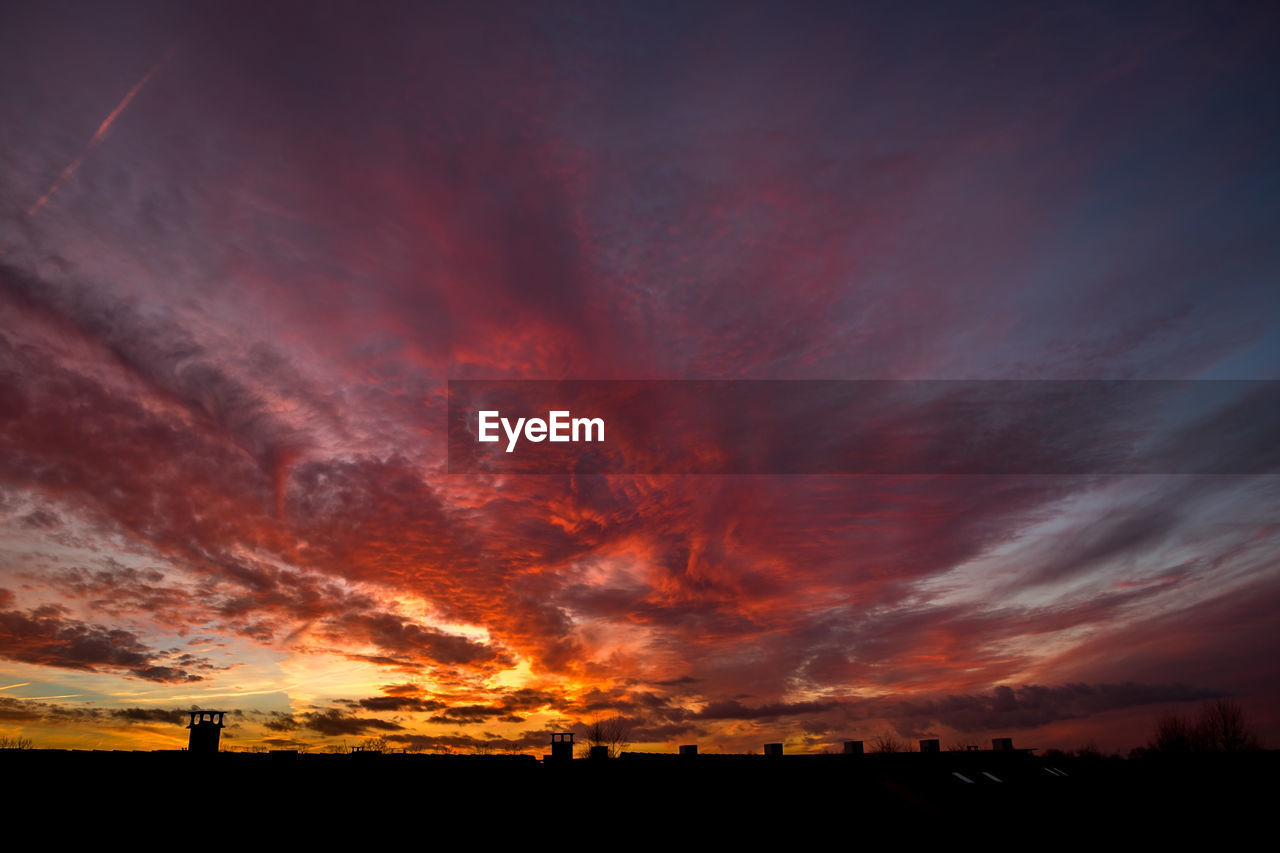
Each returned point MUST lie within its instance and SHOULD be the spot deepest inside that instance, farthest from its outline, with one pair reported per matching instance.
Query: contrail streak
(97, 136)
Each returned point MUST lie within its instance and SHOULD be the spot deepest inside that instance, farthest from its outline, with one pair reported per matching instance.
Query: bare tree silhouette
(1222, 726)
(1174, 734)
(1225, 728)
(888, 742)
(613, 733)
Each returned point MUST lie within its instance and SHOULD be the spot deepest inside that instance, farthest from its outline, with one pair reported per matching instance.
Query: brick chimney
(206, 731)
(562, 746)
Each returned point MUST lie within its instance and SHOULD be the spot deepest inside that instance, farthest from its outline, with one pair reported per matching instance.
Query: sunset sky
(245, 246)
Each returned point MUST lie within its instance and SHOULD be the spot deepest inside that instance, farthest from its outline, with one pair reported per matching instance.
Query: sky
(244, 247)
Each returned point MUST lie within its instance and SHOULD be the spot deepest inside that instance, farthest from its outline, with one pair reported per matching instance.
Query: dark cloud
(48, 636)
(1024, 707)
(42, 518)
(399, 703)
(504, 708)
(731, 709)
(402, 689)
(280, 722)
(336, 723)
(487, 743)
(159, 351)
(15, 711)
(149, 715)
(53, 713)
(400, 637)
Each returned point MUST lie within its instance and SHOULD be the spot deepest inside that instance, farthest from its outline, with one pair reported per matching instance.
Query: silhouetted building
(853, 747)
(773, 750)
(1002, 744)
(562, 746)
(689, 750)
(930, 745)
(599, 752)
(206, 731)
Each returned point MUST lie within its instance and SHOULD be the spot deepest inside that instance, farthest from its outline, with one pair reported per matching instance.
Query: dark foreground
(985, 791)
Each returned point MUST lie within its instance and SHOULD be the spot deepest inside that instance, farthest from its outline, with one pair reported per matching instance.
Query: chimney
(773, 750)
(206, 731)
(1002, 744)
(930, 745)
(689, 750)
(853, 747)
(561, 746)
